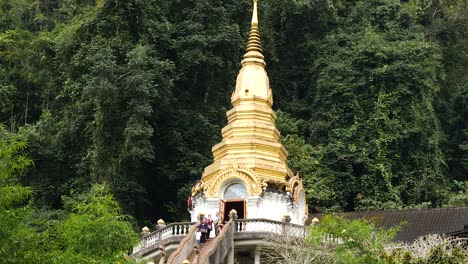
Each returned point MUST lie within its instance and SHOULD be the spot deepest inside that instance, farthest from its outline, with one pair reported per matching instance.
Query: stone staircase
(205, 247)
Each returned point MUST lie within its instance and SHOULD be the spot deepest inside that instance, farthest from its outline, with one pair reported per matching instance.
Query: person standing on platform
(218, 224)
(215, 223)
(204, 230)
(209, 222)
(198, 237)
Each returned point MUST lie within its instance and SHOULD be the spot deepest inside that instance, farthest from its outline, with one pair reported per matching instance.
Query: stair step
(204, 248)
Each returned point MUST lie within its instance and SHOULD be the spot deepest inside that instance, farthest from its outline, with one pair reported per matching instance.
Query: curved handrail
(227, 231)
(185, 246)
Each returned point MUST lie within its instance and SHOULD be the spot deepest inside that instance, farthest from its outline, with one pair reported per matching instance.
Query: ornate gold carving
(246, 175)
(199, 187)
(264, 184)
(295, 185)
(235, 166)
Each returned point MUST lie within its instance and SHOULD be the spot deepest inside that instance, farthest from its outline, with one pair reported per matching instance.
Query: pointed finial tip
(254, 49)
(254, 14)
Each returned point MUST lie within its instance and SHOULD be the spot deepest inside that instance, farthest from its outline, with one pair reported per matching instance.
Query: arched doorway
(233, 197)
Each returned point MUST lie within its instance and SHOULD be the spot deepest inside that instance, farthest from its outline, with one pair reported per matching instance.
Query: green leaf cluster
(356, 241)
(15, 235)
(338, 240)
(90, 229)
(94, 231)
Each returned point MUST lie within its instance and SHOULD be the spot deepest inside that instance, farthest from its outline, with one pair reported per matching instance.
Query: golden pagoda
(249, 171)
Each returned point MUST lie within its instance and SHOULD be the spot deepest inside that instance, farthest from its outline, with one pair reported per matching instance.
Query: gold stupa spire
(254, 14)
(250, 150)
(250, 153)
(254, 49)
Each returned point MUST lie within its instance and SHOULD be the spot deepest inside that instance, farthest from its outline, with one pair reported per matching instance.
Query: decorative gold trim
(306, 208)
(295, 186)
(246, 175)
(199, 187)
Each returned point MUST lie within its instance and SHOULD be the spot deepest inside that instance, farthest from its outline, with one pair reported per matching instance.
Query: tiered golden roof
(250, 150)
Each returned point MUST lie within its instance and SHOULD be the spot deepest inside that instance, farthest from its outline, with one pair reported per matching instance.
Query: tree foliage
(338, 240)
(356, 241)
(371, 98)
(373, 114)
(15, 235)
(94, 231)
(91, 229)
(134, 93)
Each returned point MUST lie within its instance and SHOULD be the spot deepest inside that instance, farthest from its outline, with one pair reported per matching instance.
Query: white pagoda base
(272, 205)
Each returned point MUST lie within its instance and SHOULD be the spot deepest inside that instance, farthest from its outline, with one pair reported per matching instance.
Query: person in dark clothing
(204, 230)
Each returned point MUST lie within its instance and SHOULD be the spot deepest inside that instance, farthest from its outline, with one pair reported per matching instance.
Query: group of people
(206, 225)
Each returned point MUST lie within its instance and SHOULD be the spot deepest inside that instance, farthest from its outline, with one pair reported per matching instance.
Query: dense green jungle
(112, 106)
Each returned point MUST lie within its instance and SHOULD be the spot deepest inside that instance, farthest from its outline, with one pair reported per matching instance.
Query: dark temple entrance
(238, 205)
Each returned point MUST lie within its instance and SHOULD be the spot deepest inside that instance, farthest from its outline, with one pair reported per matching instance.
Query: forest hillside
(371, 98)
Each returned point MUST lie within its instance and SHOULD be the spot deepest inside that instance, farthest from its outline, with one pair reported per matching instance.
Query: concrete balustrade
(165, 231)
(243, 229)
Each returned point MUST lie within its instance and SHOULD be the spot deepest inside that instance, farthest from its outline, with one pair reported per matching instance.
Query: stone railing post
(315, 221)
(233, 217)
(160, 225)
(144, 232)
(233, 214)
(286, 220)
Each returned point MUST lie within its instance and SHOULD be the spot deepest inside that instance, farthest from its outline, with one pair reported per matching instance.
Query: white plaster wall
(271, 205)
(253, 203)
(274, 205)
(204, 205)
